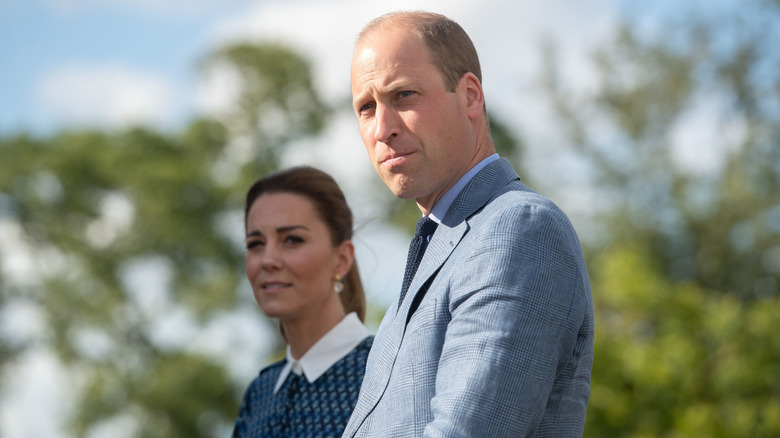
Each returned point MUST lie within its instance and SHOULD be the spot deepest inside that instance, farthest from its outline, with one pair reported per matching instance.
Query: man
(495, 334)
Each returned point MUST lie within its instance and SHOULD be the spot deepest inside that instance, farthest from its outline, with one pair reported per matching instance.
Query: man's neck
(438, 209)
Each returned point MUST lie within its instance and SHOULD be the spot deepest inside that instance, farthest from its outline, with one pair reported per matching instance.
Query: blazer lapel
(450, 232)
(443, 242)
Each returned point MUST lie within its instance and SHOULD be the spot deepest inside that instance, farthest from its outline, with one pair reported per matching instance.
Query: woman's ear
(346, 256)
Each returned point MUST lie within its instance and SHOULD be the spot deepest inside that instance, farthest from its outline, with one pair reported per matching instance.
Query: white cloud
(110, 95)
(322, 31)
(160, 8)
(506, 33)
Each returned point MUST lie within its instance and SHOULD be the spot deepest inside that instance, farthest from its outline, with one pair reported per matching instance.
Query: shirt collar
(337, 343)
(444, 204)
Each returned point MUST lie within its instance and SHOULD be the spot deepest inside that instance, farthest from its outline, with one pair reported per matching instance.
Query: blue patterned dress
(300, 408)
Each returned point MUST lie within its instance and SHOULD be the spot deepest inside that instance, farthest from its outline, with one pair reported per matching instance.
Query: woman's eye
(253, 244)
(293, 239)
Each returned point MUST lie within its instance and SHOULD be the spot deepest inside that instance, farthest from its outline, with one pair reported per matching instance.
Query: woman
(301, 265)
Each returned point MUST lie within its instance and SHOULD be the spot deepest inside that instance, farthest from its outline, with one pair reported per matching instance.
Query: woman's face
(290, 260)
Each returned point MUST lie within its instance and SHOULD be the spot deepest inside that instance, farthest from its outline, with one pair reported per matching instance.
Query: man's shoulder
(516, 198)
(516, 213)
(496, 195)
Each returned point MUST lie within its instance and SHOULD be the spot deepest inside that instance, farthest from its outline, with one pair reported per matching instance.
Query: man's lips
(395, 159)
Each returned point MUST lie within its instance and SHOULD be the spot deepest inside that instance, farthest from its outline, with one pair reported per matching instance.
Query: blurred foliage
(673, 359)
(703, 85)
(277, 102)
(93, 206)
(686, 280)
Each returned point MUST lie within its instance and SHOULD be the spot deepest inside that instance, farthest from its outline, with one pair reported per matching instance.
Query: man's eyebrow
(358, 100)
(387, 90)
(395, 87)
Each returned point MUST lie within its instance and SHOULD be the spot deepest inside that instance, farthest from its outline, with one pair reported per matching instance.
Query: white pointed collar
(337, 343)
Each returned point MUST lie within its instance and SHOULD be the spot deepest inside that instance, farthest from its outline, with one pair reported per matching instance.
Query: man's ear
(474, 97)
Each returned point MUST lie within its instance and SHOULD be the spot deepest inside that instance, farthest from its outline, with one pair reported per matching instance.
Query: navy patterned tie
(425, 228)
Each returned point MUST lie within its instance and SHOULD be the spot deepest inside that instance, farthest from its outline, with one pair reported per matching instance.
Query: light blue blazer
(495, 336)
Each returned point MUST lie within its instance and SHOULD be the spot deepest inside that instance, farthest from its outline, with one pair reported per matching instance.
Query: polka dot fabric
(300, 408)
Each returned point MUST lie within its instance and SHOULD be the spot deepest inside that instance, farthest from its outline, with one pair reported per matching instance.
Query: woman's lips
(274, 286)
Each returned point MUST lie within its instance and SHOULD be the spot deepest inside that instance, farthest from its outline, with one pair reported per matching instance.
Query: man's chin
(402, 192)
(401, 186)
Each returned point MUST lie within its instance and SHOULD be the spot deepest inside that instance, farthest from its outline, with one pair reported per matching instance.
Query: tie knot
(425, 227)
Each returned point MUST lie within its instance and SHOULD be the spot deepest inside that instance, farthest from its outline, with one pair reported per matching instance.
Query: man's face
(416, 132)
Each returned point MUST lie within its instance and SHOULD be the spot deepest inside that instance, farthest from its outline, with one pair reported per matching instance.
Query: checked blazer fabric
(495, 336)
(302, 409)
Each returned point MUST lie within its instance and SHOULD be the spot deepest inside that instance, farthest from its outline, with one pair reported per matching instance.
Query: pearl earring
(338, 286)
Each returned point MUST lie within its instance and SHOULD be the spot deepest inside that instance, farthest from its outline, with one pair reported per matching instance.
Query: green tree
(686, 275)
(673, 359)
(277, 102)
(717, 227)
(92, 205)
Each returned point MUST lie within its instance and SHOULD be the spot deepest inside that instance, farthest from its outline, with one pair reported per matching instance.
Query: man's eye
(366, 107)
(406, 93)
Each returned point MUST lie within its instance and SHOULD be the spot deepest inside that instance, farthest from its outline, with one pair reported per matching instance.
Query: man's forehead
(384, 50)
(388, 35)
(372, 72)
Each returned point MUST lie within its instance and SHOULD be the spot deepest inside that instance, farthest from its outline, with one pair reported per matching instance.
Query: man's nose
(387, 123)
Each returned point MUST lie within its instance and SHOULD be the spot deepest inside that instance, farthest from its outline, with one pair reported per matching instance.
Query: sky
(70, 63)
(110, 64)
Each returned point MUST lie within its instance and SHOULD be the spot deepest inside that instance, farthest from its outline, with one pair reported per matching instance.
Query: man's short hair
(452, 51)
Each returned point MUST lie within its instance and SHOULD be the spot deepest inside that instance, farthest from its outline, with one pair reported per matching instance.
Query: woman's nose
(270, 258)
